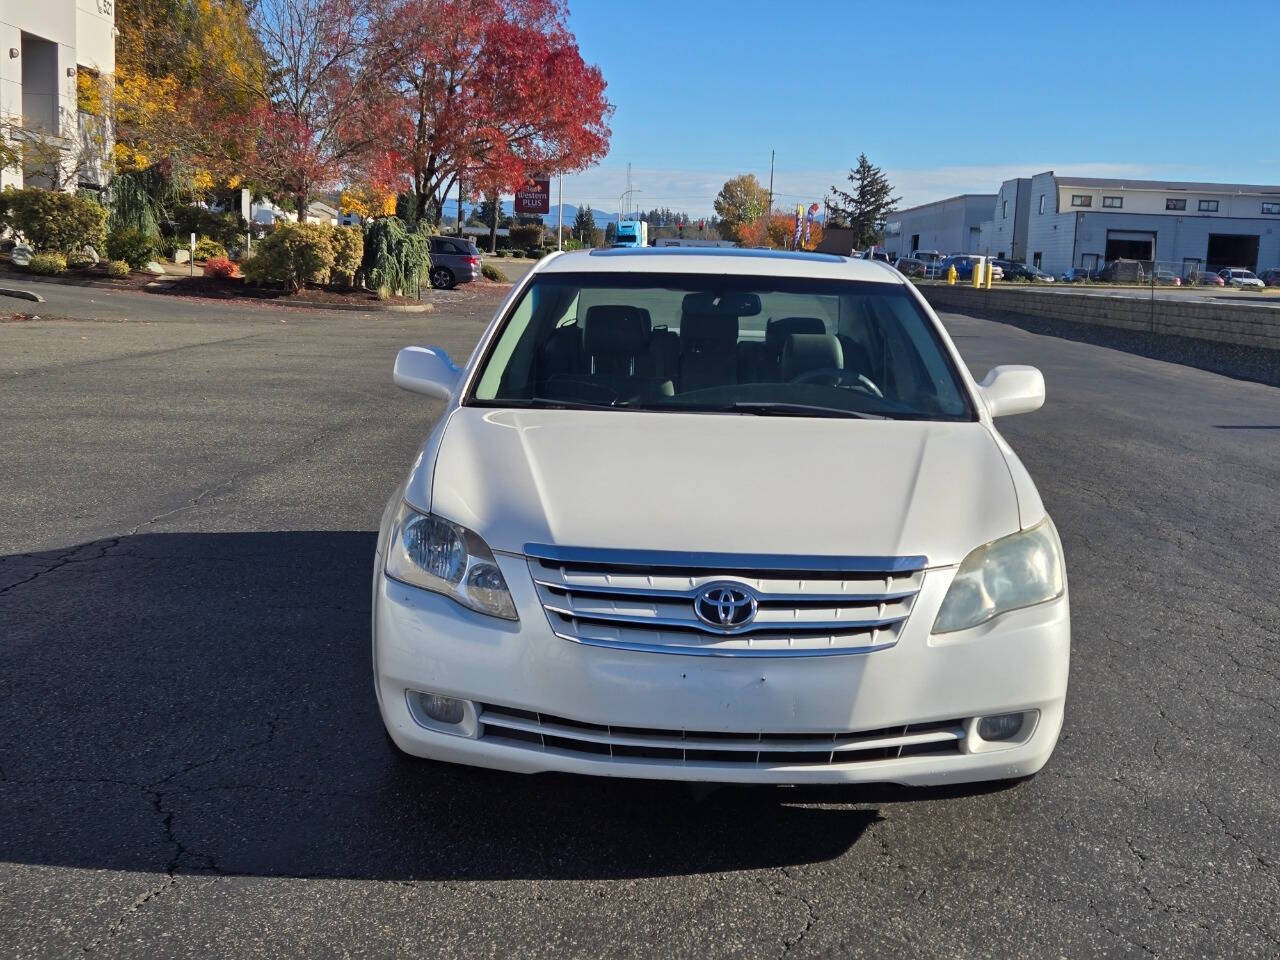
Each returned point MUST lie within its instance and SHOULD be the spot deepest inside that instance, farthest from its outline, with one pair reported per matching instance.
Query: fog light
(1003, 726)
(441, 709)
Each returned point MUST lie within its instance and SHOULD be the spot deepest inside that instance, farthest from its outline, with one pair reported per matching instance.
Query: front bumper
(1016, 663)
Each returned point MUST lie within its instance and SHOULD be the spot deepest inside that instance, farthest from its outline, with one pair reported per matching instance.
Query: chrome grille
(804, 606)
(539, 731)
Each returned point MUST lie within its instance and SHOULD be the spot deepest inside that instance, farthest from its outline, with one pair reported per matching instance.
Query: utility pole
(770, 210)
(560, 217)
(459, 207)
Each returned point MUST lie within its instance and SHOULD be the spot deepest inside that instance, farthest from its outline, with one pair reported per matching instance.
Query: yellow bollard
(976, 276)
(989, 272)
(951, 275)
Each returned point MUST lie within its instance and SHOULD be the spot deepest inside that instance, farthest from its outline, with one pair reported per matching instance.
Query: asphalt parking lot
(191, 760)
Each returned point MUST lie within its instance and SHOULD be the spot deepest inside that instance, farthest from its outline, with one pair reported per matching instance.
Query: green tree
(742, 200)
(584, 226)
(867, 207)
(610, 233)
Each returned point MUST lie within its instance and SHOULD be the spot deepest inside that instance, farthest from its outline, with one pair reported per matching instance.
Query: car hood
(719, 483)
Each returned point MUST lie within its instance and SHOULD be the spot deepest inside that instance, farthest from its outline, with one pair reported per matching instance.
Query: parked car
(1166, 278)
(1079, 275)
(1244, 279)
(1023, 271)
(880, 255)
(911, 267)
(1207, 280)
(1123, 271)
(964, 264)
(1270, 278)
(546, 598)
(454, 260)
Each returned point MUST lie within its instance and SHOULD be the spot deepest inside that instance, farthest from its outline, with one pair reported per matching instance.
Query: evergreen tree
(867, 207)
(610, 233)
(584, 226)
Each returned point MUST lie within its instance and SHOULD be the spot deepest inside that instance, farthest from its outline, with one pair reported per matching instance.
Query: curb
(160, 287)
(21, 294)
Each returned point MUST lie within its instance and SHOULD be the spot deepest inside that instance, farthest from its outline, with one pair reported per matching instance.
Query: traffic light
(680, 227)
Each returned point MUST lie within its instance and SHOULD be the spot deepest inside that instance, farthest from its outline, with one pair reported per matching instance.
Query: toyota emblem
(725, 606)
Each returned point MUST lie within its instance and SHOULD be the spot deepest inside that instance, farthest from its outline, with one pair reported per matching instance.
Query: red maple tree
(486, 94)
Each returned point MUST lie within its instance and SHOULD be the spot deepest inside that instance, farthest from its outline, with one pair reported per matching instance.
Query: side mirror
(1013, 389)
(426, 370)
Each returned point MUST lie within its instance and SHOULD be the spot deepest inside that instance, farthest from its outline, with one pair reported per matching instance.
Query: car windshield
(695, 343)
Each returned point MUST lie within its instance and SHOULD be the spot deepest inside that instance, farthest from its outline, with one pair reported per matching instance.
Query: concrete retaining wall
(1248, 324)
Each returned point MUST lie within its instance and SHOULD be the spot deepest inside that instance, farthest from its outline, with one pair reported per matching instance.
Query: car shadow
(196, 702)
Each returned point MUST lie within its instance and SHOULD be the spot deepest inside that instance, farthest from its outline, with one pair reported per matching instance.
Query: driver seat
(805, 352)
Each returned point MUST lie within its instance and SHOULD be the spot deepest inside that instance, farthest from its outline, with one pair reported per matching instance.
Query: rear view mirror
(1011, 389)
(426, 370)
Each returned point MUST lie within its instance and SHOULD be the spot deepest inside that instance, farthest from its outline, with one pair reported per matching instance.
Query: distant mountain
(570, 213)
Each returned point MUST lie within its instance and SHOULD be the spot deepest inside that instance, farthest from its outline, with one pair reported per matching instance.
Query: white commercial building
(947, 226)
(43, 45)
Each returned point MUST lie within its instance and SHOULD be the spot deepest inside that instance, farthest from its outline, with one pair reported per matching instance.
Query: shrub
(78, 259)
(48, 264)
(220, 268)
(490, 272)
(167, 247)
(526, 236)
(207, 249)
(394, 256)
(292, 254)
(348, 252)
(53, 220)
(132, 246)
(224, 229)
(117, 269)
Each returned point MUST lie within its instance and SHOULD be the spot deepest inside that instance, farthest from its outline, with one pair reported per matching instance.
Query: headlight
(1016, 571)
(433, 553)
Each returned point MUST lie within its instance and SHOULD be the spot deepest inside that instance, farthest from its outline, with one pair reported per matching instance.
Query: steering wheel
(838, 376)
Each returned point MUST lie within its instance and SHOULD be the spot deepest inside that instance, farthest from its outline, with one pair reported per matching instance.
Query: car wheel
(442, 278)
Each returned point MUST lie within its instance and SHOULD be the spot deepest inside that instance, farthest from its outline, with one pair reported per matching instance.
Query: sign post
(191, 261)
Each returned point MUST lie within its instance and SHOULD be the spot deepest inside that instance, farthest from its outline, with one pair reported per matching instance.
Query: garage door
(1232, 250)
(1130, 245)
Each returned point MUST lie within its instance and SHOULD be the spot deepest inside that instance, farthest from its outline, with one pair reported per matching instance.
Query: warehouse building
(1085, 222)
(953, 225)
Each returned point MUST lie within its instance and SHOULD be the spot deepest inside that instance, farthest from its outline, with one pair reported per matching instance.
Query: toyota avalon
(720, 515)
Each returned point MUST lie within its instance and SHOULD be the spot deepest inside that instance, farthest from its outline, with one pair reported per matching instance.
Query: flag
(795, 241)
(808, 222)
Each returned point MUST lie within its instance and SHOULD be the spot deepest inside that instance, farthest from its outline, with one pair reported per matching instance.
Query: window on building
(1035, 259)
(1115, 203)
(1273, 208)
(1081, 200)
(1004, 209)
(1208, 206)
(1042, 203)
(1172, 203)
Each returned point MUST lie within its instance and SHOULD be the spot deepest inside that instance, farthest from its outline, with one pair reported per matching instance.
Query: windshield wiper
(546, 403)
(764, 408)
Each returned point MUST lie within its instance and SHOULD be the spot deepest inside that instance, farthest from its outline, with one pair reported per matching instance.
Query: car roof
(734, 261)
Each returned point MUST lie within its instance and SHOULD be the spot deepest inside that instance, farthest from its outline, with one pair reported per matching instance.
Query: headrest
(776, 331)
(802, 352)
(615, 328)
(709, 328)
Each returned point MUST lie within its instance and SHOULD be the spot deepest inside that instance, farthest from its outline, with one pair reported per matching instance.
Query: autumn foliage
(776, 231)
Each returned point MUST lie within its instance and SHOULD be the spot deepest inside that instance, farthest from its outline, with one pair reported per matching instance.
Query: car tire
(442, 278)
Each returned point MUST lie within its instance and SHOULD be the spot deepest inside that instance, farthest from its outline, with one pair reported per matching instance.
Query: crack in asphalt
(64, 560)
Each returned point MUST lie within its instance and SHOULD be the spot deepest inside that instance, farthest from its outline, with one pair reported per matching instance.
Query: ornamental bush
(225, 229)
(117, 269)
(526, 236)
(48, 264)
(132, 246)
(348, 252)
(53, 220)
(292, 254)
(207, 248)
(490, 272)
(396, 257)
(220, 268)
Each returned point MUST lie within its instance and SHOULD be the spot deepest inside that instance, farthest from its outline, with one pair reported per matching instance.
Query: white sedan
(720, 515)
(1241, 278)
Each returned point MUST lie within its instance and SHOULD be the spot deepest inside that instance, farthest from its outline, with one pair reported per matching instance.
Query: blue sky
(946, 100)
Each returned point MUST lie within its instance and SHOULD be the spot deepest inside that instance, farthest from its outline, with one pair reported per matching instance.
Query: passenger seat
(615, 341)
(806, 352)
